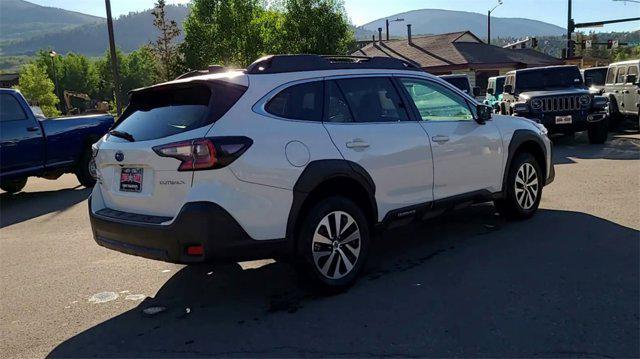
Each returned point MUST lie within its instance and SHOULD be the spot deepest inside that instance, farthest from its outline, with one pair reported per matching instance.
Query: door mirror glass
(484, 113)
(632, 79)
(508, 89)
(476, 91)
(490, 91)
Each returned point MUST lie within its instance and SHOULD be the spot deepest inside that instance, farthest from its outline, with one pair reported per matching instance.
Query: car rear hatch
(145, 163)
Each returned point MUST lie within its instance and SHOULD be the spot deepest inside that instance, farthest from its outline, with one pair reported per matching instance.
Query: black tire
(82, 171)
(13, 186)
(513, 205)
(598, 131)
(340, 278)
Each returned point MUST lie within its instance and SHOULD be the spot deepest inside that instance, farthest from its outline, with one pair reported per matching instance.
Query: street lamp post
(387, 21)
(489, 22)
(53, 54)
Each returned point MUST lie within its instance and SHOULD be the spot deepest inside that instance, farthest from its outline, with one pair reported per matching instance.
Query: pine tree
(164, 48)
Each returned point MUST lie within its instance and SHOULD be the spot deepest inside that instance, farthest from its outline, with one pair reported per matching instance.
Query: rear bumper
(203, 224)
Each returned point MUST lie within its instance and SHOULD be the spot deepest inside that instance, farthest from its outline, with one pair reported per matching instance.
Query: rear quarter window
(299, 102)
(168, 110)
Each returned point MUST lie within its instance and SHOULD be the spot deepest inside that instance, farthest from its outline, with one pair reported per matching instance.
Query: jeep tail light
(205, 153)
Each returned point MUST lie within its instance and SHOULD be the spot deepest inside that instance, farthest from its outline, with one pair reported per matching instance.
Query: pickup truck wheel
(523, 191)
(86, 170)
(333, 244)
(598, 131)
(13, 186)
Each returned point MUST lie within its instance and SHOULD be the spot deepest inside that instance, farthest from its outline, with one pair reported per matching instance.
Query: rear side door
(467, 156)
(21, 140)
(631, 90)
(370, 125)
(621, 77)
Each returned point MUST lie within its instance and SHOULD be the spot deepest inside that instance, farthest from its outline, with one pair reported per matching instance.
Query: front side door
(467, 156)
(21, 139)
(369, 124)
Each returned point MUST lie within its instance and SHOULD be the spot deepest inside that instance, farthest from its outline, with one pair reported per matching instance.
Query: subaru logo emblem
(119, 156)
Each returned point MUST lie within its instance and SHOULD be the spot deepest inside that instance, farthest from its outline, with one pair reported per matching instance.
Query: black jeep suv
(556, 97)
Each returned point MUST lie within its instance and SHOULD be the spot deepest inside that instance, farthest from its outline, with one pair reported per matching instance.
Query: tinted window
(595, 77)
(460, 82)
(548, 78)
(337, 108)
(437, 103)
(10, 109)
(611, 75)
(499, 86)
(373, 99)
(298, 102)
(632, 71)
(166, 111)
(622, 71)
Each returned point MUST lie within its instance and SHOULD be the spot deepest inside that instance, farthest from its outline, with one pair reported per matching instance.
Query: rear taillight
(205, 153)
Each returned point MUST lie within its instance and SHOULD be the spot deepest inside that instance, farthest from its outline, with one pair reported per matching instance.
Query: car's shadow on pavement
(563, 284)
(22, 206)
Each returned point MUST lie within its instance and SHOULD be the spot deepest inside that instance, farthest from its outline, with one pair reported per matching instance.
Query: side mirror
(490, 91)
(508, 89)
(632, 79)
(476, 91)
(484, 113)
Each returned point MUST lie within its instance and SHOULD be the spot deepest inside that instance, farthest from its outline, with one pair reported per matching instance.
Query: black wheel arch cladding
(521, 139)
(321, 172)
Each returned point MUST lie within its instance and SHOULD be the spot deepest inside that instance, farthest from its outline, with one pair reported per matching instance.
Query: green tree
(164, 47)
(37, 88)
(317, 27)
(138, 69)
(221, 32)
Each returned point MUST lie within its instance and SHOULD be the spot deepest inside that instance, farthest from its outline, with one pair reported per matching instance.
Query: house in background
(8, 80)
(458, 53)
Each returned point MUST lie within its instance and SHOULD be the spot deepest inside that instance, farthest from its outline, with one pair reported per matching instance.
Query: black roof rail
(213, 69)
(274, 64)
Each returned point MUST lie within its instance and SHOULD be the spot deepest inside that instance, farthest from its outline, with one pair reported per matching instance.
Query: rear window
(169, 110)
(460, 82)
(595, 77)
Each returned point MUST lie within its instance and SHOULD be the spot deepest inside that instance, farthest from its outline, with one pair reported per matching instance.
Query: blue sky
(363, 11)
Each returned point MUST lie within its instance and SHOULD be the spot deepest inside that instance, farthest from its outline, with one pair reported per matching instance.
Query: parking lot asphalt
(562, 284)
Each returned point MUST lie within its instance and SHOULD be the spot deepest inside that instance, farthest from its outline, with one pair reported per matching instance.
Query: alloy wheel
(526, 186)
(336, 245)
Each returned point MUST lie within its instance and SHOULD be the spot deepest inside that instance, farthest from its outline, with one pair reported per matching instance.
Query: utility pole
(114, 58)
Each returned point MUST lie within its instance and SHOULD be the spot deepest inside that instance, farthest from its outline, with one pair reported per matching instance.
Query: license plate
(562, 120)
(131, 180)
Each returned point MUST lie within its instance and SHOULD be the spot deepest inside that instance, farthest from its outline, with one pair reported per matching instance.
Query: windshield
(548, 78)
(460, 82)
(595, 77)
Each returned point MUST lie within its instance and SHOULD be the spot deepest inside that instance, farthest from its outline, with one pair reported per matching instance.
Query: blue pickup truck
(32, 145)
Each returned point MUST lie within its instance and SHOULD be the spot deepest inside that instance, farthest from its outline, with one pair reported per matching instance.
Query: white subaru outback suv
(307, 156)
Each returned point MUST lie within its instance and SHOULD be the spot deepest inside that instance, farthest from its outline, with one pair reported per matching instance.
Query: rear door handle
(357, 144)
(440, 138)
(33, 128)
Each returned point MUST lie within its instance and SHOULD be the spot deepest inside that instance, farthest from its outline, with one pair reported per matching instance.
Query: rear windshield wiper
(126, 135)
